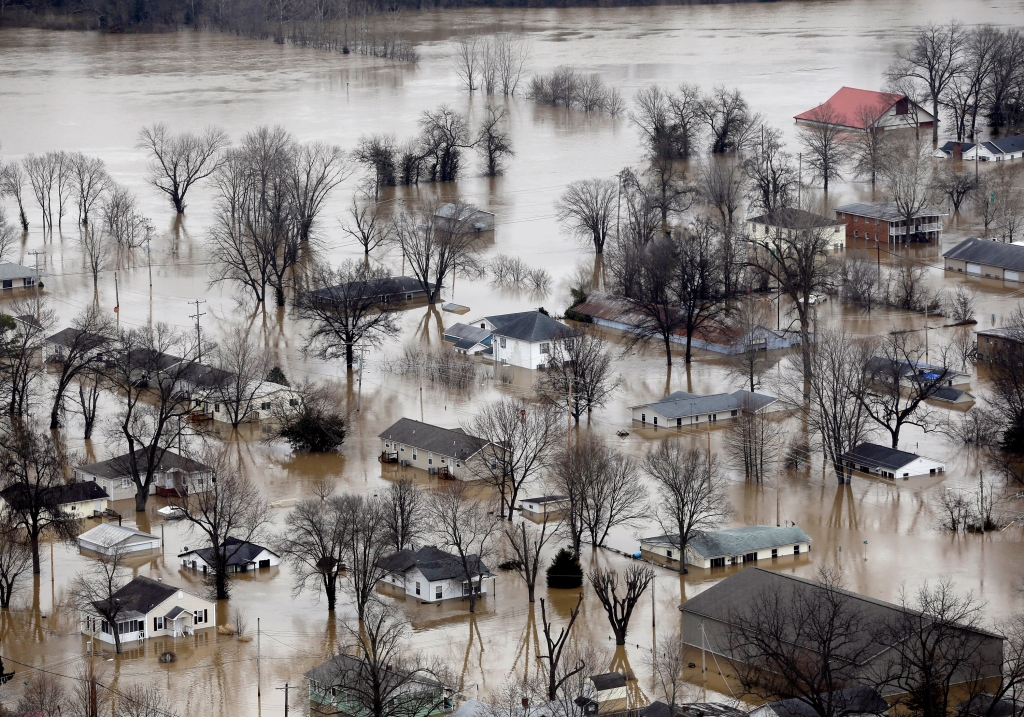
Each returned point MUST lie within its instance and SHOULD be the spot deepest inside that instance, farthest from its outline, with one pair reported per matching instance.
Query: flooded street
(92, 93)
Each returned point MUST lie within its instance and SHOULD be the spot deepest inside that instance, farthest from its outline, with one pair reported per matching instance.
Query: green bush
(565, 571)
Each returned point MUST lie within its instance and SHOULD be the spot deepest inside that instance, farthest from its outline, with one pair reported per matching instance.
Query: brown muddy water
(93, 92)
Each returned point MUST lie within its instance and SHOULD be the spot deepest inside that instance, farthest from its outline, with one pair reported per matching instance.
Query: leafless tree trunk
(620, 608)
(728, 118)
(493, 141)
(771, 177)
(90, 181)
(587, 209)
(368, 227)
(559, 674)
(314, 171)
(314, 545)
(95, 243)
(42, 171)
(122, 218)
(823, 139)
(526, 544)
(12, 183)
(579, 374)
(94, 589)
(20, 347)
(16, 558)
(179, 161)
(140, 700)
(243, 367)
(92, 333)
(368, 544)
(437, 248)
(464, 525)
(404, 512)
(908, 182)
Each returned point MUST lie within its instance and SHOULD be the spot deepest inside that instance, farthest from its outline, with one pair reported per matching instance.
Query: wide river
(92, 93)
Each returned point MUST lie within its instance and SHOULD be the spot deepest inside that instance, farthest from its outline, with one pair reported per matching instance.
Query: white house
(465, 218)
(79, 500)
(522, 339)
(108, 538)
(241, 556)
(13, 276)
(687, 409)
(855, 109)
(605, 693)
(84, 344)
(997, 150)
(786, 222)
(890, 463)
(731, 546)
(544, 507)
(446, 452)
(175, 476)
(151, 608)
(432, 575)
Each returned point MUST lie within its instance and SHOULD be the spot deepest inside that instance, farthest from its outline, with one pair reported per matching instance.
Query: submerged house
(855, 109)
(445, 452)
(861, 701)
(76, 500)
(242, 556)
(604, 694)
(986, 258)
(151, 608)
(789, 221)
(545, 507)
(464, 219)
(335, 688)
(997, 150)
(884, 223)
(175, 475)
(108, 539)
(14, 276)
(687, 409)
(389, 291)
(890, 463)
(731, 546)
(432, 575)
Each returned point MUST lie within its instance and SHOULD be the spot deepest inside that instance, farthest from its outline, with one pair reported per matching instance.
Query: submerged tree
(619, 608)
(178, 161)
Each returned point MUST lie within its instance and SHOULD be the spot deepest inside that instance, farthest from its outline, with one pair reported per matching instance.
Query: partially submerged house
(525, 339)
(464, 218)
(690, 709)
(432, 575)
(333, 684)
(175, 475)
(731, 546)
(890, 463)
(997, 150)
(914, 373)
(990, 706)
(711, 620)
(952, 149)
(604, 694)
(854, 109)
(687, 409)
(863, 701)
(469, 340)
(996, 343)
(242, 556)
(790, 220)
(986, 258)
(388, 291)
(86, 344)
(108, 539)
(15, 276)
(78, 500)
(151, 608)
(445, 452)
(884, 223)
(545, 507)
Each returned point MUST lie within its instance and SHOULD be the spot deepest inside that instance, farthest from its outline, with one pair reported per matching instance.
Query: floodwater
(92, 93)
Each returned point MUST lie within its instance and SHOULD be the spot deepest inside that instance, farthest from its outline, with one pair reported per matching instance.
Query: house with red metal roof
(860, 109)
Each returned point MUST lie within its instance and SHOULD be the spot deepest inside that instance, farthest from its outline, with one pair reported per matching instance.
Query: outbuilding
(242, 556)
(890, 463)
(731, 546)
(545, 507)
(606, 693)
(108, 539)
(445, 452)
(432, 575)
(986, 258)
(464, 218)
(680, 408)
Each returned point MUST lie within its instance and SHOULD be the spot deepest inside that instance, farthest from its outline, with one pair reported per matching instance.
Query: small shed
(604, 693)
(890, 463)
(465, 218)
(108, 538)
(544, 507)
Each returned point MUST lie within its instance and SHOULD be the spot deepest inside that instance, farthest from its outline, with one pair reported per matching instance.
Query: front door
(265, 563)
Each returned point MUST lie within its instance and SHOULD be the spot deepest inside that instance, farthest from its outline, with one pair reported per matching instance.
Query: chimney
(958, 150)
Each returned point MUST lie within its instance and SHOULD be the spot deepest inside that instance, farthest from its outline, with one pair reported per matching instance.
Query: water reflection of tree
(529, 638)
(635, 696)
(843, 503)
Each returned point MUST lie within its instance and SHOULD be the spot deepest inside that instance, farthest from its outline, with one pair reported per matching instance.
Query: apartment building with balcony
(883, 222)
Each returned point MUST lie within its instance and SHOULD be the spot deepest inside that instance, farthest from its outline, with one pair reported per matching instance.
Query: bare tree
(444, 136)
(559, 673)
(122, 219)
(691, 490)
(934, 59)
(178, 161)
(314, 171)
(526, 544)
(20, 346)
(770, 174)
(95, 592)
(7, 237)
(467, 61)
(12, 183)
(15, 558)
(91, 334)
(315, 424)
(242, 370)
(869, 145)
(668, 663)
(493, 141)
(749, 359)
(956, 186)
(42, 171)
(344, 308)
(140, 700)
(88, 697)
(587, 210)
(579, 375)
(823, 139)
(749, 441)
(668, 122)
(368, 226)
(376, 154)
(95, 244)
(45, 693)
(437, 248)
(368, 544)
(510, 53)
(90, 384)
(728, 118)
(404, 513)
(961, 303)
(520, 438)
(229, 514)
(31, 479)
(90, 182)
(314, 545)
(699, 288)
(464, 525)
(908, 182)
(620, 608)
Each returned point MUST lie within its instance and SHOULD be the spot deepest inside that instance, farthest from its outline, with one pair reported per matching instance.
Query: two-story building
(792, 221)
(175, 475)
(855, 109)
(883, 222)
(522, 339)
(445, 452)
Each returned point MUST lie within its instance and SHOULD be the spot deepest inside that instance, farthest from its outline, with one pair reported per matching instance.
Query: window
(679, 422)
(216, 408)
(796, 549)
(775, 552)
(466, 588)
(265, 406)
(655, 420)
(438, 592)
(126, 483)
(718, 562)
(669, 552)
(293, 402)
(545, 348)
(643, 418)
(417, 587)
(502, 342)
(856, 234)
(199, 617)
(734, 413)
(158, 623)
(402, 449)
(442, 461)
(414, 454)
(430, 459)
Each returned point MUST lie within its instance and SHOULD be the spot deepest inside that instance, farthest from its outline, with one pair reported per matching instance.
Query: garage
(974, 269)
(1011, 275)
(264, 564)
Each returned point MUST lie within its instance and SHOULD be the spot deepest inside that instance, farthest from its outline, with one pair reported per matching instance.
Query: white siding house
(151, 608)
(433, 575)
(523, 339)
(891, 463)
(545, 507)
(687, 409)
(175, 475)
(732, 546)
(241, 557)
(446, 452)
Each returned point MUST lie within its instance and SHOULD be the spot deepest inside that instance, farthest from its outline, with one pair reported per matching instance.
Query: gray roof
(948, 146)
(334, 671)
(142, 594)
(738, 541)
(546, 499)
(608, 681)
(690, 709)
(950, 395)
(887, 367)
(452, 442)
(883, 210)
(203, 376)
(1005, 145)
(981, 706)
(682, 404)
(69, 337)
(862, 700)
(10, 270)
(386, 287)
(530, 326)
(118, 467)
(466, 336)
(175, 611)
(434, 563)
(1013, 333)
(109, 535)
(878, 456)
(793, 218)
(468, 212)
(242, 553)
(989, 253)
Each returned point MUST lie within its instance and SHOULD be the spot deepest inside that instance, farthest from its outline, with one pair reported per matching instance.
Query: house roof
(244, 552)
(468, 212)
(691, 709)
(951, 395)
(981, 706)
(947, 147)
(108, 535)
(880, 456)
(862, 700)
(1005, 145)
(149, 359)
(452, 442)
(78, 492)
(434, 563)
(530, 326)
(466, 336)
(883, 365)
(142, 594)
(887, 211)
(847, 105)
(117, 467)
(10, 270)
(682, 404)
(608, 681)
(988, 252)
(1011, 333)
(369, 289)
(793, 218)
(69, 336)
(203, 376)
(333, 672)
(546, 499)
(737, 541)
(29, 320)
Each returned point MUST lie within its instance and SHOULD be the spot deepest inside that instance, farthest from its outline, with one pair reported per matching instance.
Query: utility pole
(926, 332)
(359, 392)
(149, 264)
(259, 672)
(799, 177)
(199, 335)
(778, 477)
(285, 688)
(653, 604)
(35, 256)
(981, 498)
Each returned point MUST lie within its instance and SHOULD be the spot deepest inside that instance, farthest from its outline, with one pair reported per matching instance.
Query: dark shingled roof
(67, 337)
(948, 146)
(530, 326)
(242, 552)
(117, 467)
(880, 456)
(452, 442)
(434, 563)
(59, 494)
(980, 706)
(545, 499)
(852, 701)
(989, 253)
(737, 541)
(333, 672)
(1005, 145)
(951, 395)
(203, 376)
(882, 210)
(371, 289)
(608, 681)
(142, 595)
(693, 709)
(793, 218)
(681, 404)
